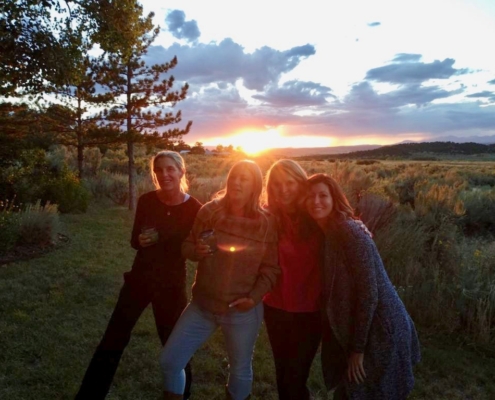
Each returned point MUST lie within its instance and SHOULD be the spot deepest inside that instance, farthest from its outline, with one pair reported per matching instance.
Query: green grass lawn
(55, 308)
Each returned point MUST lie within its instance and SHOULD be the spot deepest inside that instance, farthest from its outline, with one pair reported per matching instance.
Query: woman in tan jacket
(232, 277)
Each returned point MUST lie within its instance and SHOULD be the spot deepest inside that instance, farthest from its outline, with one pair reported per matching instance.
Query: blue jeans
(194, 327)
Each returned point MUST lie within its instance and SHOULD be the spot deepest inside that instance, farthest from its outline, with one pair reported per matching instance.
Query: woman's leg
(132, 301)
(279, 328)
(307, 338)
(168, 304)
(241, 330)
(192, 329)
(294, 338)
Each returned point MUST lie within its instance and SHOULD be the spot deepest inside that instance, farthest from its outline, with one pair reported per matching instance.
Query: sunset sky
(318, 73)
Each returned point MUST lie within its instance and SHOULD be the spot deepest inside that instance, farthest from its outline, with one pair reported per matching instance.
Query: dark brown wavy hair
(341, 207)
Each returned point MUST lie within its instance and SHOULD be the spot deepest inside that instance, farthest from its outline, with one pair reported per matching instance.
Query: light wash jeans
(194, 327)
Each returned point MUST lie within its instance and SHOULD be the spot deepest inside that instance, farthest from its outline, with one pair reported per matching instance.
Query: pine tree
(142, 99)
(74, 122)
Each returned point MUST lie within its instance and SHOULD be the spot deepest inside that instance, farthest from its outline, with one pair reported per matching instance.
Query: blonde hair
(253, 207)
(295, 171)
(179, 163)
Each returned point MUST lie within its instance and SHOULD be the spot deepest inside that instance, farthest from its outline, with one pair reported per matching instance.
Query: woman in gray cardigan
(371, 345)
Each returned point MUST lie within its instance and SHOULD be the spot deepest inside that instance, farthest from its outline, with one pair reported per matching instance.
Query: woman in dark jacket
(370, 345)
(163, 220)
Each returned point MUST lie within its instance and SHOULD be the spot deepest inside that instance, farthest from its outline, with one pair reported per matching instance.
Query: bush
(367, 162)
(98, 185)
(68, 192)
(479, 219)
(38, 224)
(45, 176)
(118, 189)
(9, 226)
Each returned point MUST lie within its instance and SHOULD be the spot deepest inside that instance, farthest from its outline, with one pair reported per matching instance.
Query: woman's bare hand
(355, 369)
(243, 304)
(145, 240)
(202, 250)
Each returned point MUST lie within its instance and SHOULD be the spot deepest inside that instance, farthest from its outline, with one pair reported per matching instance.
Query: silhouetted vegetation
(428, 151)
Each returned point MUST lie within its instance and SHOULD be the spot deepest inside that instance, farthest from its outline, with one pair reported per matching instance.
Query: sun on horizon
(256, 142)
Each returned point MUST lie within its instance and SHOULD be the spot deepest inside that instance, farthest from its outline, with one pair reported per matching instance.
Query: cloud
(414, 72)
(218, 106)
(485, 93)
(432, 121)
(492, 82)
(180, 28)
(228, 62)
(296, 94)
(362, 96)
(406, 57)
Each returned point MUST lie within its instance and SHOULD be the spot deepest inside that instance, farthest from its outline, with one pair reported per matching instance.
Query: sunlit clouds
(329, 74)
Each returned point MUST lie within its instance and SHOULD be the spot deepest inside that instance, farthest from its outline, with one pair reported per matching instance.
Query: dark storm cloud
(296, 94)
(414, 72)
(485, 93)
(227, 62)
(180, 28)
(373, 24)
(406, 57)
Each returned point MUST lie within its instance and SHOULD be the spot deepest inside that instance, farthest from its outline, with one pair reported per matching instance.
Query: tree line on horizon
(426, 151)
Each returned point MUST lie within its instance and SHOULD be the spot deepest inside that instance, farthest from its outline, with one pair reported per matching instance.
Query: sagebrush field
(433, 222)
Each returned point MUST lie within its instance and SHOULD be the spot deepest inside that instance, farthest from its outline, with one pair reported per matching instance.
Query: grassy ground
(54, 310)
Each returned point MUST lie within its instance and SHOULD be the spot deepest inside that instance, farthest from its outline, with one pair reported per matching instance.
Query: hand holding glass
(148, 236)
(206, 244)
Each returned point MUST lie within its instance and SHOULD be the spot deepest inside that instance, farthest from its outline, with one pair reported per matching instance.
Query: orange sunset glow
(255, 142)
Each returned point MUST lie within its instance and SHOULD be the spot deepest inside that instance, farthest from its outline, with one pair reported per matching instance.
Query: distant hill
(309, 151)
(426, 150)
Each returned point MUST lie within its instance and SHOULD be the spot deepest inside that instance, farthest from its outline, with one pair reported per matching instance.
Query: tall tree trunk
(132, 176)
(80, 140)
(80, 159)
(130, 145)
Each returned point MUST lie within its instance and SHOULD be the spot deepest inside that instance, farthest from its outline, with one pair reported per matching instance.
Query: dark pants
(167, 304)
(294, 338)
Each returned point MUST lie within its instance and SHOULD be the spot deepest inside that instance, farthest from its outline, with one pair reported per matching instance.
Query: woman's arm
(192, 248)
(268, 273)
(139, 219)
(360, 259)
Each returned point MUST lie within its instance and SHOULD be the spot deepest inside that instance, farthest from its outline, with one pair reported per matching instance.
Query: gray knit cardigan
(365, 315)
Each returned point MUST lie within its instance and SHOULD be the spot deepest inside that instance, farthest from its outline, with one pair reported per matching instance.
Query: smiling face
(240, 187)
(319, 203)
(168, 174)
(286, 190)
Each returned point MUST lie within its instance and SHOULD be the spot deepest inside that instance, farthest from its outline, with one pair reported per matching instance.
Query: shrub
(9, 225)
(367, 162)
(68, 192)
(92, 161)
(204, 188)
(38, 224)
(479, 219)
(118, 189)
(375, 211)
(98, 185)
